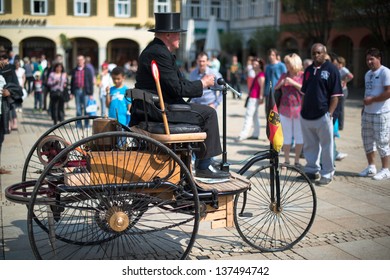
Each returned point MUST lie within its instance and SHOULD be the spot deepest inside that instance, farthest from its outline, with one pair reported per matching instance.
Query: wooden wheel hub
(273, 207)
(118, 220)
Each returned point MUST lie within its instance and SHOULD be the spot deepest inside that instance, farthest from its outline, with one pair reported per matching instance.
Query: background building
(106, 30)
(347, 27)
(237, 22)
(116, 30)
(251, 27)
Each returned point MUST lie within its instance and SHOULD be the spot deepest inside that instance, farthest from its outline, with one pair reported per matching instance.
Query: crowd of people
(310, 95)
(53, 88)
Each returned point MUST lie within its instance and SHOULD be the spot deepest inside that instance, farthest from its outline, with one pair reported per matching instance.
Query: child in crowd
(38, 91)
(117, 103)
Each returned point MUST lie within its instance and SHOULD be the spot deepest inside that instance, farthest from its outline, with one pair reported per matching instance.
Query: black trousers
(57, 108)
(206, 117)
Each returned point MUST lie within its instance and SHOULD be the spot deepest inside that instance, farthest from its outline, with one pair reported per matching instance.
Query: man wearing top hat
(174, 87)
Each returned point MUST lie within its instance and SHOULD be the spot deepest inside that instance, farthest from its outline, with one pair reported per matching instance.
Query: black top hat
(167, 23)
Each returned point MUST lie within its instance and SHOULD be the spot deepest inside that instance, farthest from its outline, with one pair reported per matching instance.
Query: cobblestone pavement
(353, 213)
(240, 250)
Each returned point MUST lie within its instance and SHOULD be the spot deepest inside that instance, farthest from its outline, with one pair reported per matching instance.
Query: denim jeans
(81, 104)
(103, 105)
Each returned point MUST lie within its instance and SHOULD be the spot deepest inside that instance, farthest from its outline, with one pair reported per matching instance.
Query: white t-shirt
(251, 72)
(106, 81)
(215, 64)
(375, 82)
(20, 73)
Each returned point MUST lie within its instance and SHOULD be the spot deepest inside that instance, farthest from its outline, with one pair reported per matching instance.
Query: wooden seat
(177, 132)
(172, 138)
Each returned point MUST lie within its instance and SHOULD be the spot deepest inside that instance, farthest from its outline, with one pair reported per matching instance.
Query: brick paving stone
(295, 256)
(346, 184)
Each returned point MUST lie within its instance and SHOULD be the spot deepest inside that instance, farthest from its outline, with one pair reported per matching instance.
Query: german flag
(274, 127)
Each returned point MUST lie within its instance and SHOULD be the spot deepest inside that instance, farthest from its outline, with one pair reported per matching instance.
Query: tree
(315, 18)
(65, 42)
(374, 15)
(265, 39)
(231, 42)
(67, 46)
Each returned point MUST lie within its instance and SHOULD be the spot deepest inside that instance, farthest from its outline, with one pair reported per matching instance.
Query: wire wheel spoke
(267, 226)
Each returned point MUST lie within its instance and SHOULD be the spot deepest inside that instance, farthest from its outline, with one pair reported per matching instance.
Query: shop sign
(24, 22)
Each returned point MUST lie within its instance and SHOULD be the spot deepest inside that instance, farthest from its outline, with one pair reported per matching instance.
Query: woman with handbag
(255, 98)
(58, 85)
(290, 105)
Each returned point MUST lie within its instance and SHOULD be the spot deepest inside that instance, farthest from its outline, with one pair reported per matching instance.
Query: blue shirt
(319, 85)
(119, 104)
(272, 74)
(209, 96)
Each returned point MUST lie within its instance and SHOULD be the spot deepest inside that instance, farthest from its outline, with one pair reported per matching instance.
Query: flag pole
(156, 76)
(269, 102)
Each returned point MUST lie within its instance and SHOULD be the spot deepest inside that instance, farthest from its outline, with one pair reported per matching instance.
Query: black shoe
(324, 181)
(312, 176)
(212, 173)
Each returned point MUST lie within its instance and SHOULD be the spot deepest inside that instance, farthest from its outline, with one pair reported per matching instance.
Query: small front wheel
(261, 222)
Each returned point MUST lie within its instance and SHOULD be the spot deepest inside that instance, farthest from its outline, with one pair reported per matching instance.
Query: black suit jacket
(174, 87)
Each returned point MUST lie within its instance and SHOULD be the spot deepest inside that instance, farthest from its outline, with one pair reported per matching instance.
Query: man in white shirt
(376, 115)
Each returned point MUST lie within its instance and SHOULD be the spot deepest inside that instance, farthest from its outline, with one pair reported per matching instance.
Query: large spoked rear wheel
(261, 223)
(53, 141)
(120, 195)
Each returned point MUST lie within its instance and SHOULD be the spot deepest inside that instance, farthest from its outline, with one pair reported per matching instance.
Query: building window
(162, 6)
(82, 8)
(122, 8)
(195, 9)
(39, 7)
(254, 9)
(215, 9)
(269, 7)
(238, 9)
